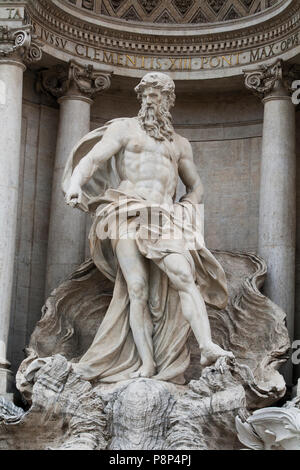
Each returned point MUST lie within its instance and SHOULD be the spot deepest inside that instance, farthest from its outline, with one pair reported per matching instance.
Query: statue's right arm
(112, 142)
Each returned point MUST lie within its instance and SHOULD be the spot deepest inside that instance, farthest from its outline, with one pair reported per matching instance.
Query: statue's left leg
(180, 274)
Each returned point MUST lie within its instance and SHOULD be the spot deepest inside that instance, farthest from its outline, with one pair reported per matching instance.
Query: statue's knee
(182, 279)
(138, 290)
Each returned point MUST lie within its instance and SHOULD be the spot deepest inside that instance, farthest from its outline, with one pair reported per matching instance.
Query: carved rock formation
(70, 413)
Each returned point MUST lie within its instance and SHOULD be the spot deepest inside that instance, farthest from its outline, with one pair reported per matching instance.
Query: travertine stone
(67, 230)
(11, 87)
(251, 325)
(11, 79)
(277, 214)
(122, 173)
(16, 43)
(9, 413)
(186, 51)
(73, 79)
(16, 48)
(75, 86)
(39, 132)
(139, 414)
(67, 412)
(7, 382)
(271, 428)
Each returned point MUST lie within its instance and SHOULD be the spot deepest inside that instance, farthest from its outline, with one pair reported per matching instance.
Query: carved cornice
(269, 78)
(94, 34)
(62, 80)
(16, 43)
(173, 11)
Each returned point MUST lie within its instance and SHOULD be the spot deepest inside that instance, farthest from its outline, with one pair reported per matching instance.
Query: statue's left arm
(189, 174)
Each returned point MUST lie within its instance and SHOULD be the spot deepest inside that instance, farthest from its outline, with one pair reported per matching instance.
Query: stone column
(75, 86)
(277, 212)
(16, 50)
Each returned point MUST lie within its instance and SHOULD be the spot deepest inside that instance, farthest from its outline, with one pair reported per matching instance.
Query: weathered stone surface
(70, 413)
(9, 413)
(251, 325)
(65, 412)
(277, 212)
(139, 415)
(203, 417)
(272, 428)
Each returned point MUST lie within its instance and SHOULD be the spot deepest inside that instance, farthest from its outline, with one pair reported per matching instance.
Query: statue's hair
(158, 80)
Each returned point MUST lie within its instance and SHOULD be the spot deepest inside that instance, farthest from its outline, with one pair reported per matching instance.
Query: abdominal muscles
(150, 175)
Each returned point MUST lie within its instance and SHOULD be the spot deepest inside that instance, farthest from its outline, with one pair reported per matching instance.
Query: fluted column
(75, 86)
(277, 209)
(16, 50)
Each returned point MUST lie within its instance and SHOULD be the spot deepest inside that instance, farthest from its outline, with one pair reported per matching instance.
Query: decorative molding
(174, 11)
(62, 80)
(16, 43)
(268, 78)
(68, 32)
(48, 15)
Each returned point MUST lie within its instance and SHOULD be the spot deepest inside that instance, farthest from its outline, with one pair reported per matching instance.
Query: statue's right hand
(74, 196)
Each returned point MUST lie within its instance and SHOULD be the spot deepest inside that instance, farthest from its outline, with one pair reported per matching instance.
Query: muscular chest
(143, 153)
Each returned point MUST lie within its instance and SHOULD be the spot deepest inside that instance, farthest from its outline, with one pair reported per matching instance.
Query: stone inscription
(171, 64)
(11, 13)
(12, 10)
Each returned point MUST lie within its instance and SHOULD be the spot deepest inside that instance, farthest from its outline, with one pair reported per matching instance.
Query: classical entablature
(188, 51)
(175, 11)
(262, 32)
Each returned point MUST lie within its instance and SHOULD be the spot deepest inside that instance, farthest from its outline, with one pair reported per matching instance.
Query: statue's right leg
(135, 270)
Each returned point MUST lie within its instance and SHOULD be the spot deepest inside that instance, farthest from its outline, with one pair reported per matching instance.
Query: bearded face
(154, 115)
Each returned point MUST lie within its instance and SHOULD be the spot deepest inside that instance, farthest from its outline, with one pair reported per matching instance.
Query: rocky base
(68, 413)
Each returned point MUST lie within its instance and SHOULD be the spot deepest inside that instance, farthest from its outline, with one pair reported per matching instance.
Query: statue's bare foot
(210, 354)
(146, 370)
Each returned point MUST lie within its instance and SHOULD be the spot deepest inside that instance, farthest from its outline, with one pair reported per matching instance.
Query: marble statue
(162, 272)
(145, 346)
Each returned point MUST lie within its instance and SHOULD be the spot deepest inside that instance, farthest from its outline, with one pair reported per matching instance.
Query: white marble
(277, 204)
(277, 215)
(149, 159)
(11, 78)
(271, 429)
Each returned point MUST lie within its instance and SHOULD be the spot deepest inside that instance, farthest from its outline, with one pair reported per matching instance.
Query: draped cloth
(157, 230)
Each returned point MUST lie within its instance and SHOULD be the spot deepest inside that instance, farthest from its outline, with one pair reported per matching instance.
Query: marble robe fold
(113, 355)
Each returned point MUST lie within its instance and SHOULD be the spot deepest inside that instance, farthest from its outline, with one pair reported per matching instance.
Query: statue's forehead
(150, 81)
(151, 88)
(155, 79)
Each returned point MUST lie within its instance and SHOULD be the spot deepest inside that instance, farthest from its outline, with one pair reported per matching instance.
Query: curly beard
(156, 121)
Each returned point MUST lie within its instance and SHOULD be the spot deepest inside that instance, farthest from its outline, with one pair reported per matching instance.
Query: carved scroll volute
(73, 78)
(88, 81)
(54, 81)
(265, 79)
(17, 43)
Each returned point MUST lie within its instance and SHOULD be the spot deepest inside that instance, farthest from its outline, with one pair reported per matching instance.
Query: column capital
(272, 81)
(73, 80)
(17, 45)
